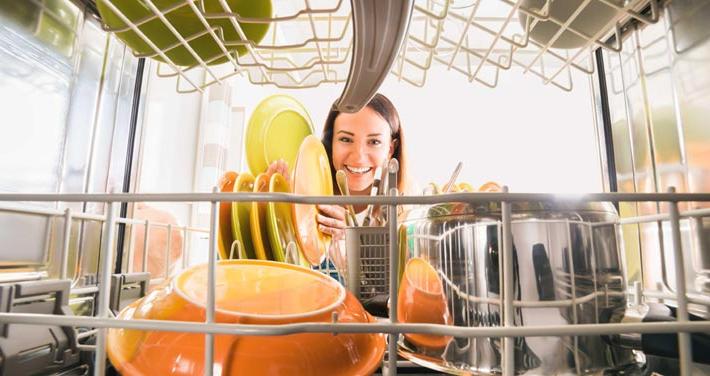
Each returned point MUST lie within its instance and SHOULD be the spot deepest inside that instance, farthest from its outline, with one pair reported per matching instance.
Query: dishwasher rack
(104, 319)
(480, 39)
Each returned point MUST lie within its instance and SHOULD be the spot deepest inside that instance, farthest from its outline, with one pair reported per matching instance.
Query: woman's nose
(358, 152)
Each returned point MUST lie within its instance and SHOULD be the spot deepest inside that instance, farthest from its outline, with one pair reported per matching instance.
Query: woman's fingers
(336, 233)
(334, 211)
(331, 222)
(279, 166)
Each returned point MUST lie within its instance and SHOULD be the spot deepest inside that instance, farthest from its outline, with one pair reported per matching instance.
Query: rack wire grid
(310, 43)
(103, 319)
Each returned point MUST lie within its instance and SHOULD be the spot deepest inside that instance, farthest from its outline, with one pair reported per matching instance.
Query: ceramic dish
(421, 299)
(248, 292)
(311, 176)
(280, 223)
(490, 187)
(224, 234)
(240, 217)
(257, 221)
(275, 130)
(185, 20)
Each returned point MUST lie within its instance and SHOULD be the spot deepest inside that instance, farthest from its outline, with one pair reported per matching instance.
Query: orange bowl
(421, 299)
(247, 292)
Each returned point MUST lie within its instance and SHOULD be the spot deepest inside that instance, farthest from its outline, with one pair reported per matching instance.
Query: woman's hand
(279, 166)
(331, 220)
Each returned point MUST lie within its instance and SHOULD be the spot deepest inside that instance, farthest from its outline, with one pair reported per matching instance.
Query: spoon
(342, 181)
(450, 184)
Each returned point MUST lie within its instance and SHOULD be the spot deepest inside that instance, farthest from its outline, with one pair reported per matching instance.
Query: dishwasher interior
(86, 231)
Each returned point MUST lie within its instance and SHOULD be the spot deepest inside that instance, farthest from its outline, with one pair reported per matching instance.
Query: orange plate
(311, 176)
(248, 292)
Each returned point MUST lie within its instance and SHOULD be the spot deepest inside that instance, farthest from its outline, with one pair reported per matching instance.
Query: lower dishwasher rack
(96, 324)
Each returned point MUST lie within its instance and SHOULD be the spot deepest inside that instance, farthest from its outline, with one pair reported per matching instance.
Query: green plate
(240, 215)
(259, 235)
(224, 235)
(280, 222)
(276, 128)
(188, 24)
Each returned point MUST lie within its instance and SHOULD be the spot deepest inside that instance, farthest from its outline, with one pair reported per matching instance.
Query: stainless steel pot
(566, 270)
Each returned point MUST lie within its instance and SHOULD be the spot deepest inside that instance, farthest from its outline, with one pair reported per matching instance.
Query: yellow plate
(280, 222)
(240, 216)
(466, 187)
(224, 235)
(311, 176)
(276, 128)
(257, 219)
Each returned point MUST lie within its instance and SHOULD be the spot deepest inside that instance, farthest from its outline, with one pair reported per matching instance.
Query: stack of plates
(279, 129)
(257, 230)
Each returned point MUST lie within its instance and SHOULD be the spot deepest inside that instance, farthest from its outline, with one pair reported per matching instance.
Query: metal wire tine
(286, 47)
(265, 20)
(65, 243)
(655, 14)
(104, 286)
(573, 277)
(437, 17)
(185, 249)
(508, 310)
(296, 85)
(292, 256)
(145, 19)
(208, 83)
(531, 11)
(240, 32)
(145, 39)
(211, 285)
(564, 26)
(463, 33)
(494, 33)
(593, 39)
(208, 27)
(167, 250)
(318, 47)
(145, 245)
(570, 62)
(294, 67)
(495, 39)
(188, 39)
(181, 40)
(236, 245)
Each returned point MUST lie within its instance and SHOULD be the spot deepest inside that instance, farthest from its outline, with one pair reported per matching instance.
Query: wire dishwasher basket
(368, 267)
(101, 319)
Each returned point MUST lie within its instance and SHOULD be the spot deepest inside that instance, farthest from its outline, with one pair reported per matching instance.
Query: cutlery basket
(367, 258)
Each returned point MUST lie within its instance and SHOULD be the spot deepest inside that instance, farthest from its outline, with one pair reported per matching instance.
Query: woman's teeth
(358, 170)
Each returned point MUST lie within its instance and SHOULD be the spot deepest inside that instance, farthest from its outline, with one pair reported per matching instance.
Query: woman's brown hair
(383, 107)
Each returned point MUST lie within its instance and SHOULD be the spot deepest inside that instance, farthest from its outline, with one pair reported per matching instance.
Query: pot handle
(660, 344)
(666, 344)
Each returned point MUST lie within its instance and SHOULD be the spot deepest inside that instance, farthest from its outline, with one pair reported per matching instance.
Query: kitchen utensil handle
(666, 344)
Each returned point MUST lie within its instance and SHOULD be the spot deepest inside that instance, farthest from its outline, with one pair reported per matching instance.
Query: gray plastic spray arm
(379, 29)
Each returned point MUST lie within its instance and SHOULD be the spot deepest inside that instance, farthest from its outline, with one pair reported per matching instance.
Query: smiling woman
(358, 143)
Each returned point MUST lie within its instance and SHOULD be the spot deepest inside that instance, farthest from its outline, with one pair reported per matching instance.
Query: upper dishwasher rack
(315, 42)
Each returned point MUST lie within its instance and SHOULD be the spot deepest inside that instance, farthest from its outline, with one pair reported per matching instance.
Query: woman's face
(361, 143)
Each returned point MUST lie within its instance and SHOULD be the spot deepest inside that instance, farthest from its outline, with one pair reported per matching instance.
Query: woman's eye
(375, 142)
(345, 139)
